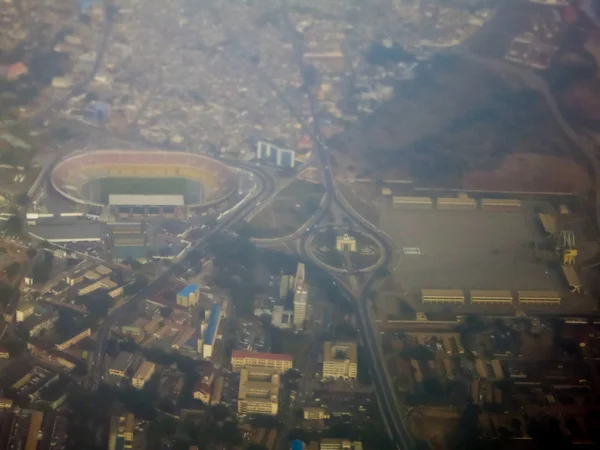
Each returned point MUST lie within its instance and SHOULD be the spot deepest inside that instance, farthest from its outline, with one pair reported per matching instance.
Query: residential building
(340, 360)
(188, 296)
(24, 310)
(74, 340)
(38, 322)
(340, 444)
(120, 364)
(6, 403)
(315, 413)
(258, 391)
(243, 359)
(143, 374)
(275, 155)
(121, 433)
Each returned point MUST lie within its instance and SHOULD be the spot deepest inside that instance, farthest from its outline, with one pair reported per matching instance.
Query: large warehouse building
(112, 178)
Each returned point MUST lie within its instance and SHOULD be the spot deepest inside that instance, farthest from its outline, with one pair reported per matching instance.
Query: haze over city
(299, 224)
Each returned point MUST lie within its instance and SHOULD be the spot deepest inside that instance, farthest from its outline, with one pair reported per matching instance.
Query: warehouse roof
(442, 293)
(539, 294)
(477, 293)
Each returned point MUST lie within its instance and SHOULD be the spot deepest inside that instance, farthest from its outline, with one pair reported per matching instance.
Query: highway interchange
(333, 202)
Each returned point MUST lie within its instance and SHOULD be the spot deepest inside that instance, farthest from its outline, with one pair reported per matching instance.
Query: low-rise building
(120, 365)
(24, 310)
(340, 444)
(258, 391)
(143, 374)
(121, 433)
(188, 296)
(242, 359)
(315, 413)
(74, 340)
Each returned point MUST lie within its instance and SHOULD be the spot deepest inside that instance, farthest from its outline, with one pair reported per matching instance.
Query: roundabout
(335, 248)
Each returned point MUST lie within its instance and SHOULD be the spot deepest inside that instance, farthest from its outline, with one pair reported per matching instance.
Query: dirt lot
(433, 424)
(530, 172)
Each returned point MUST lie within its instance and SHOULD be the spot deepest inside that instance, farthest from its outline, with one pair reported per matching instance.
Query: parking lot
(466, 250)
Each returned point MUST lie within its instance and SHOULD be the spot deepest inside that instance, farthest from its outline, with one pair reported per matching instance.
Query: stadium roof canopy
(75, 232)
(145, 200)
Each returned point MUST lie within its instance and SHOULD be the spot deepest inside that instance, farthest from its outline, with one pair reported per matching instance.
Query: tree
(418, 352)
(166, 311)
(141, 281)
(15, 347)
(14, 226)
(6, 293)
(13, 269)
(382, 272)
(22, 199)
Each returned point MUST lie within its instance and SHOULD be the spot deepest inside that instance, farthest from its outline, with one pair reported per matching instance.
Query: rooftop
(189, 289)
(339, 351)
(122, 361)
(259, 355)
(213, 323)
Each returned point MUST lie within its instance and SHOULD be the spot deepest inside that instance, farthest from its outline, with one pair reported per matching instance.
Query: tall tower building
(300, 297)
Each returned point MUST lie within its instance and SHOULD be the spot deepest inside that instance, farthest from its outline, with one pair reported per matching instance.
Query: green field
(288, 211)
(99, 190)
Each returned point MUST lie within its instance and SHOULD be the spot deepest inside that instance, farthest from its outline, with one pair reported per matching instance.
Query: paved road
(265, 189)
(334, 199)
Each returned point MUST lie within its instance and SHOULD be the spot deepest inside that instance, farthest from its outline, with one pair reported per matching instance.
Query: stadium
(144, 183)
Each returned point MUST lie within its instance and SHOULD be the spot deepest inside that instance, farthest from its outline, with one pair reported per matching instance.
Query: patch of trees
(13, 269)
(140, 282)
(42, 268)
(46, 65)
(418, 352)
(363, 374)
(6, 293)
(97, 303)
(380, 55)
(14, 225)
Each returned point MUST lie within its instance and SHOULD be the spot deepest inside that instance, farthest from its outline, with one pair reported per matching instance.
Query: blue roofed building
(297, 445)
(97, 113)
(210, 332)
(188, 296)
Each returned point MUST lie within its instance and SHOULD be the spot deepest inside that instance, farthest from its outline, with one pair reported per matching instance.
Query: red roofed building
(16, 70)
(242, 359)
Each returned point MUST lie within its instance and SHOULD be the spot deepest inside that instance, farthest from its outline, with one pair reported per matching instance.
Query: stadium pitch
(100, 189)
